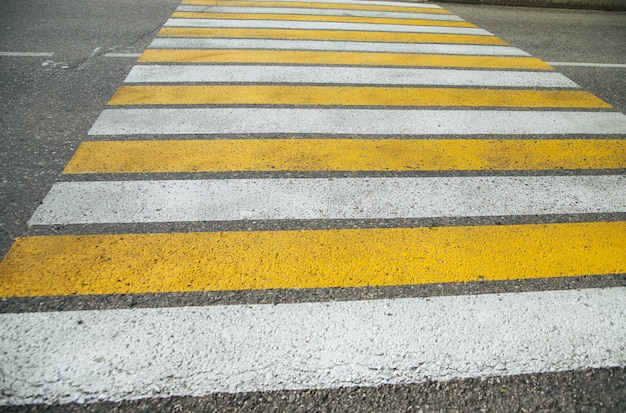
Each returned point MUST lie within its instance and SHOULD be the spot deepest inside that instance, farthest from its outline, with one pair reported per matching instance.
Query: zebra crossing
(326, 144)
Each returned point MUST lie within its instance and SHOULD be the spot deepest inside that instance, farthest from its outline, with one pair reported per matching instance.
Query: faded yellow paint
(353, 96)
(185, 262)
(352, 36)
(339, 58)
(345, 155)
(330, 5)
(320, 18)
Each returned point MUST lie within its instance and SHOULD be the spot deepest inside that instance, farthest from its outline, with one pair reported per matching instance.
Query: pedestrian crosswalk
(252, 260)
(368, 144)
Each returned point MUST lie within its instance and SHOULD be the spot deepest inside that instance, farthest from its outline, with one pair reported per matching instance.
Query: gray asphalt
(49, 104)
(610, 5)
(48, 109)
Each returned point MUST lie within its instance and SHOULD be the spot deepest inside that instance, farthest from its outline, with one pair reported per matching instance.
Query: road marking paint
(222, 348)
(227, 261)
(122, 55)
(416, 19)
(27, 54)
(323, 198)
(354, 122)
(608, 65)
(224, 155)
(302, 25)
(418, 5)
(339, 58)
(352, 96)
(329, 35)
(270, 12)
(115, 355)
(94, 52)
(432, 48)
(411, 8)
(344, 75)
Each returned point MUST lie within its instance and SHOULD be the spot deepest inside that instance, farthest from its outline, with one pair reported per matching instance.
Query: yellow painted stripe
(343, 19)
(181, 262)
(340, 58)
(306, 5)
(353, 96)
(352, 36)
(345, 155)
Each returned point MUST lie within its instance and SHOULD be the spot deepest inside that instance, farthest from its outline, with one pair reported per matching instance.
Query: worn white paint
(303, 25)
(581, 64)
(343, 75)
(416, 4)
(323, 198)
(88, 356)
(270, 44)
(334, 121)
(27, 54)
(122, 55)
(94, 52)
(317, 12)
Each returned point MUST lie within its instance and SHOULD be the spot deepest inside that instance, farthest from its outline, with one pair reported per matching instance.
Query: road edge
(606, 5)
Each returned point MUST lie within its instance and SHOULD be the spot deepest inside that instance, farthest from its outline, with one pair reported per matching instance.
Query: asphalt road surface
(357, 273)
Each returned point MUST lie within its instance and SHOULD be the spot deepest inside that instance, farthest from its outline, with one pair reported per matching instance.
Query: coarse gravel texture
(592, 390)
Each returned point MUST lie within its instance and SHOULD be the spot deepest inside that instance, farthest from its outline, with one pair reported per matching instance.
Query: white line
(417, 4)
(339, 198)
(115, 355)
(354, 121)
(344, 75)
(318, 12)
(27, 54)
(616, 65)
(455, 49)
(300, 25)
(94, 52)
(122, 55)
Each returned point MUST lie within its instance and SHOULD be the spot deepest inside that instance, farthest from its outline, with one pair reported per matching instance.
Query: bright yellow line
(352, 96)
(184, 262)
(306, 5)
(345, 155)
(352, 36)
(343, 19)
(340, 58)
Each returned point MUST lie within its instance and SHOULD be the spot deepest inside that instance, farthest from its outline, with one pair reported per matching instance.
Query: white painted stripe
(354, 121)
(417, 4)
(115, 355)
(344, 75)
(270, 44)
(615, 65)
(122, 55)
(303, 25)
(318, 12)
(338, 198)
(27, 54)
(94, 52)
